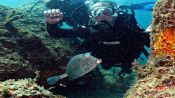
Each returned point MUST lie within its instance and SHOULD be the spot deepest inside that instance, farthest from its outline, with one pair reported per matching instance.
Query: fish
(78, 66)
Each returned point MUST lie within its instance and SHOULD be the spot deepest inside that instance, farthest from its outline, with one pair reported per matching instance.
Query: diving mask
(102, 11)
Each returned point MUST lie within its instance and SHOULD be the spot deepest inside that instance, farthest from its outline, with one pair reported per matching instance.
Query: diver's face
(103, 17)
(103, 14)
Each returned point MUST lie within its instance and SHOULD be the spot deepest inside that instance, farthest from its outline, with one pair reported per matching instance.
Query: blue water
(14, 3)
(143, 17)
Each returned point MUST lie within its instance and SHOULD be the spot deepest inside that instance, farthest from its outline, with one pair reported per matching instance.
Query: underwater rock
(163, 28)
(157, 78)
(25, 46)
(24, 88)
(12, 65)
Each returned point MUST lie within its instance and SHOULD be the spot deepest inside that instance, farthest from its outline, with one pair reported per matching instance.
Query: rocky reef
(24, 88)
(26, 47)
(157, 78)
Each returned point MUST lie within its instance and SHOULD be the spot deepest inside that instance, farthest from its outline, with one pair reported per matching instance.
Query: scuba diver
(112, 35)
(72, 8)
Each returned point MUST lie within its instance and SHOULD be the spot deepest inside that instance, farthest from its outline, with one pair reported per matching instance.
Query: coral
(156, 79)
(163, 29)
(164, 45)
(24, 88)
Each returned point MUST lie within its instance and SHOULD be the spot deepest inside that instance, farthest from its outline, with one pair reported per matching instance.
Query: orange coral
(164, 44)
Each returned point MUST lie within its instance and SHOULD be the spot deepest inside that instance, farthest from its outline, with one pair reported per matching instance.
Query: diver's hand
(53, 16)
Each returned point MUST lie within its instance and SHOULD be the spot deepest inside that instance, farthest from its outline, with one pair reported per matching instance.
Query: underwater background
(144, 18)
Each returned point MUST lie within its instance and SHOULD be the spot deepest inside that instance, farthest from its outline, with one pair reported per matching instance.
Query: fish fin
(55, 79)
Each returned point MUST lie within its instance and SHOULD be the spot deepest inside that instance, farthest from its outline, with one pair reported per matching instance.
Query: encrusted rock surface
(157, 78)
(24, 88)
(25, 46)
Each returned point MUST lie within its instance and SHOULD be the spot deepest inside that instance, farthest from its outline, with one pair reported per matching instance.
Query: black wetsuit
(122, 43)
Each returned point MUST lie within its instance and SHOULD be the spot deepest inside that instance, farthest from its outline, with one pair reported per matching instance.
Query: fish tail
(55, 79)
